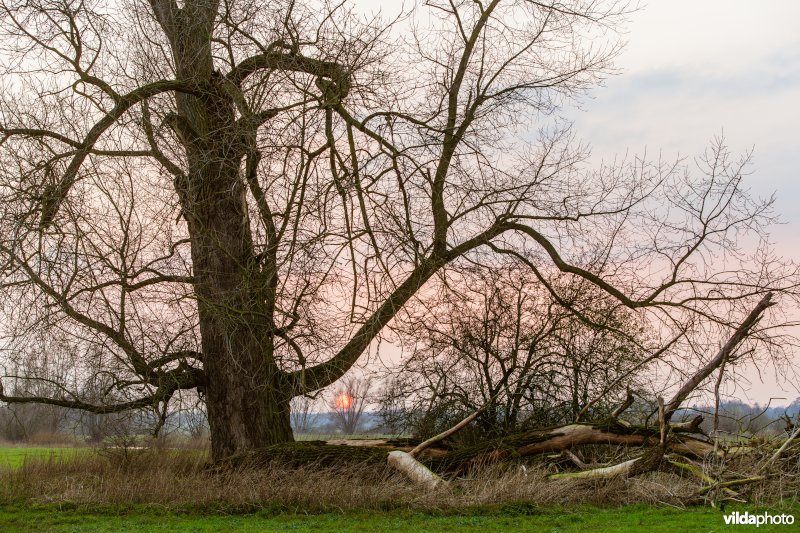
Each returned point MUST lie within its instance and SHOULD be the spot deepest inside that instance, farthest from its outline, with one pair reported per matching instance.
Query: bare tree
(304, 414)
(392, 406)
(501, 341)
(348, 403)
(238, 198)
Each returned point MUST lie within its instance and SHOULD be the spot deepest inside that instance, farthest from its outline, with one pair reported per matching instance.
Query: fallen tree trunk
(654, 459)
(780, 450)
(621, 469)
(526, 444)
(725, 354)
(558, 439)
(407, 464)
(308, 453)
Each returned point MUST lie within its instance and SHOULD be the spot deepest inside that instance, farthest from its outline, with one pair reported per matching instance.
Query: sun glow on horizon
(343, 401)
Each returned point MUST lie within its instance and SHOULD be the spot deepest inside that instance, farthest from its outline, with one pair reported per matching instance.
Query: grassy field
(503, 518)
(74, 489)
(15, 457)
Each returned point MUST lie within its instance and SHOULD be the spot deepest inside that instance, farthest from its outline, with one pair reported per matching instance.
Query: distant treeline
(44, 424)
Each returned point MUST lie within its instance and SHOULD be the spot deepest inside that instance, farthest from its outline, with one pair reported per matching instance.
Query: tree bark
(246, 393)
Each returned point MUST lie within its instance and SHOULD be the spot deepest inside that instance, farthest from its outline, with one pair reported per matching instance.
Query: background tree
(347, 405)
(500, 336)
(392, 405)
(237, 198)
(305, 414)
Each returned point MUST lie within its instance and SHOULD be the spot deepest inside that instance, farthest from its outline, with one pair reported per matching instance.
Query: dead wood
(317, 453)
(558, 439)
(780, 450)
(418, 473)
(654, 459)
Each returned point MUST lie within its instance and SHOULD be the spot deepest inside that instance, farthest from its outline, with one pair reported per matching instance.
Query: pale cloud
(693, 69)
(720, 35)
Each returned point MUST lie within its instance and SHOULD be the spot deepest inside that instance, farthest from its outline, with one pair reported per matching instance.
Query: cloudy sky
(694, 69)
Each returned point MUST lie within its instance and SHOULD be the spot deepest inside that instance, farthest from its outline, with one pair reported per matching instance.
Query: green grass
(505, 518)
(20, 513)
(15, 457)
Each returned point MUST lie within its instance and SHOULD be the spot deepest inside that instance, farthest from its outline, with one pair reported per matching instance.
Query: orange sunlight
(344, 401)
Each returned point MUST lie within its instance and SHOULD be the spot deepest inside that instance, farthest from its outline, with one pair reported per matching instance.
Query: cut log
(414, 470)
(621, 469)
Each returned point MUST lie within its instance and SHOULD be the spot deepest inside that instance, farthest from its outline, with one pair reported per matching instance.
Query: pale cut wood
(620, 469)
(414, 470)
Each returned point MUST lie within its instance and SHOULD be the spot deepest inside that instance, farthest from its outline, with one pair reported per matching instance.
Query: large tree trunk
(244, 415)
(247, 395)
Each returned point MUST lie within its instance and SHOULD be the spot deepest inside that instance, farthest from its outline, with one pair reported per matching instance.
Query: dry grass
(177, 480)
(181, 480)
